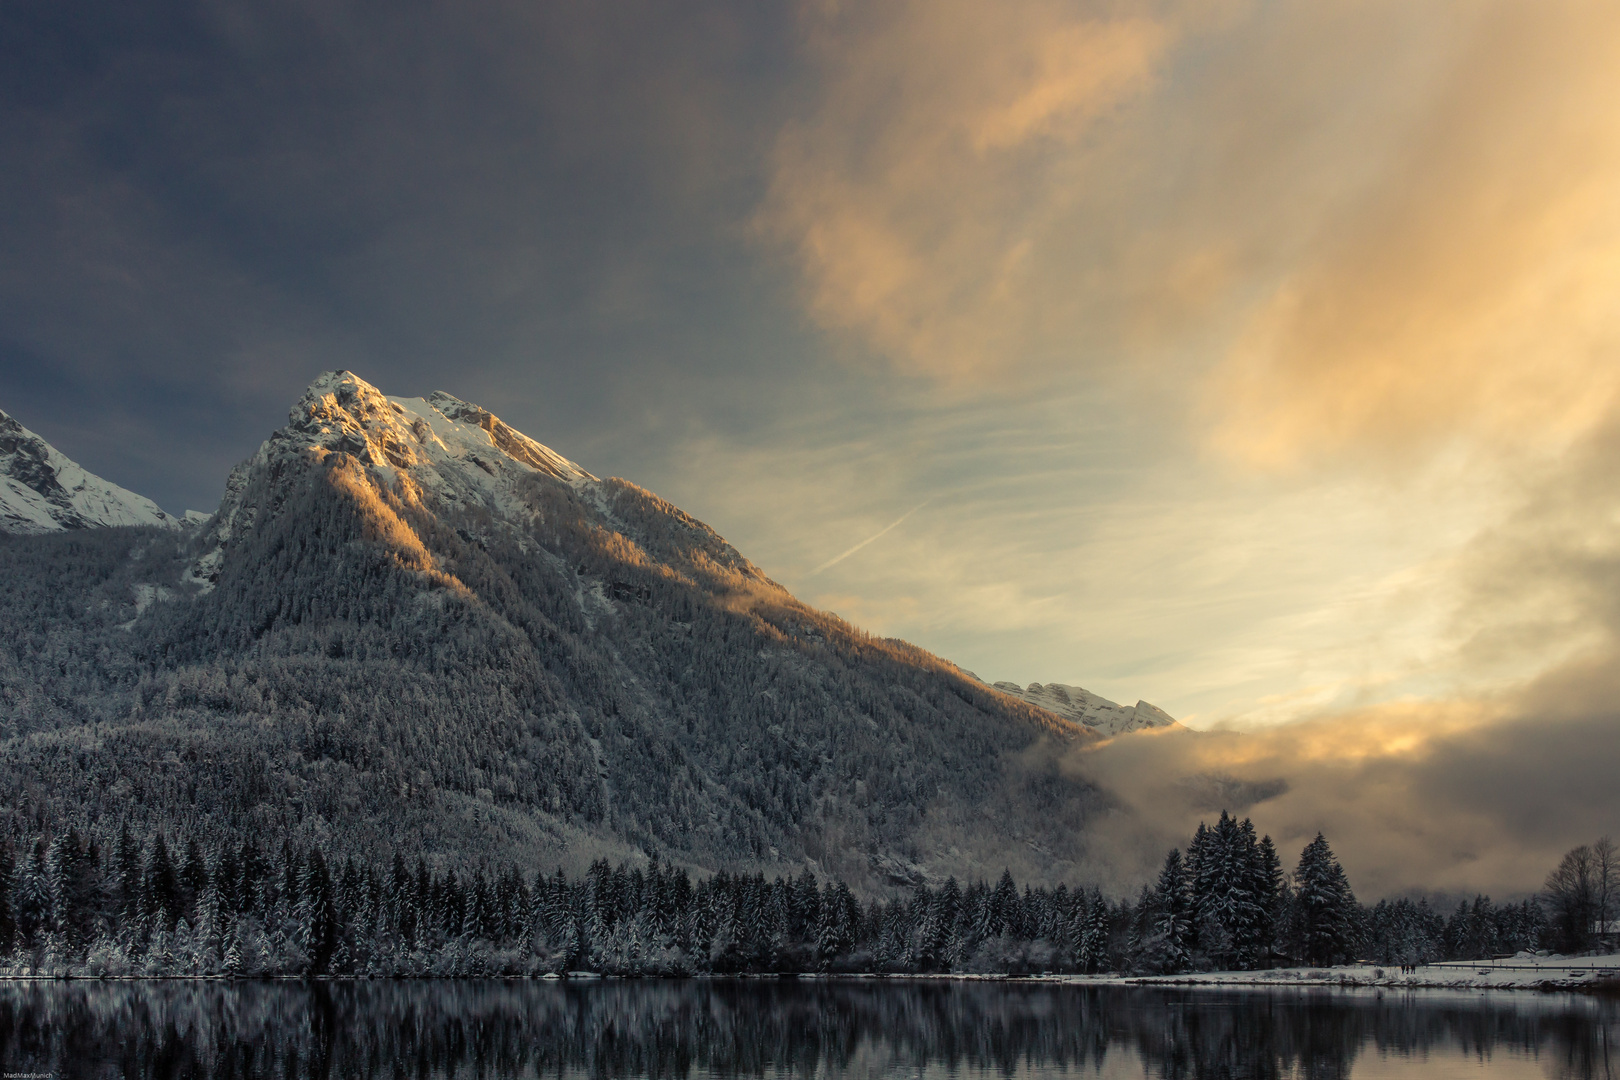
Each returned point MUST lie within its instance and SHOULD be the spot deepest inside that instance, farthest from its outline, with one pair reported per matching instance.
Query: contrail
(840, 558)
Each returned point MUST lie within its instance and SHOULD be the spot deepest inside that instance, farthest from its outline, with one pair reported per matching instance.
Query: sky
(1258, 359)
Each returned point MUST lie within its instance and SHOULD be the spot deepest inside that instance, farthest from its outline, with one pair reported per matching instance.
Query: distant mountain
(1091, 710)
(407, 623)
(42, 490)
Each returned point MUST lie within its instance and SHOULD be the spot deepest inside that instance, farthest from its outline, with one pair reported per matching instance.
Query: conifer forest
(78, 904)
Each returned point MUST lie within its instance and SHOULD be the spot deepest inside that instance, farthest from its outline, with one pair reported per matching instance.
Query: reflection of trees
(673, 1030)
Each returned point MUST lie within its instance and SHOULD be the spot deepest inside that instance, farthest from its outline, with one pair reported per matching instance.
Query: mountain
(1096, 713)
(42, 490)
(408, 624)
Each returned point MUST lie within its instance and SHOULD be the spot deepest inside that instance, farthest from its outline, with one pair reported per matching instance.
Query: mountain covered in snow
(1093, 711)
(407, 623)
(439, 448)
(42, 490)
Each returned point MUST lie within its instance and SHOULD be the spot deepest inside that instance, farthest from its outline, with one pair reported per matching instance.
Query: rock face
(438, 448)
(407, 621)
(42, 490)
(1096, 713)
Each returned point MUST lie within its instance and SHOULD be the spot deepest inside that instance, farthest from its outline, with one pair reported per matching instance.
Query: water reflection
(680, 1030)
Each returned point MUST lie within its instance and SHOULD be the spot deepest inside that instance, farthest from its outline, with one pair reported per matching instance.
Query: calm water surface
(786, 1030)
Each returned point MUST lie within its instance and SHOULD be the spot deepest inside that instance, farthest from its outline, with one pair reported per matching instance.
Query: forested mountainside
(410, 626)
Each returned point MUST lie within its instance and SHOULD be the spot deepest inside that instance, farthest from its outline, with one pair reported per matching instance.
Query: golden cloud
(914, 200)
(1472, 290)
(1350, 224)
(1458, 797)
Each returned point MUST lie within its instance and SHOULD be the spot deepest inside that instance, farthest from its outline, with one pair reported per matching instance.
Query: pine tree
(193, 878)
(1172, 898)
(210, 928)
(184, 948)
(831, 932)
(1200, 865)
(316, 912)
(474, 919)
(8, 911)
(226, 883)
(1324, 906)
(555, 917)
(1251, 924)
(350, 892)
(1223, 866)
(949, 944)
(1094, 940)
(160, 887)
(1269, 887)
(73, 866)
(399, 898)
(806, 907)
(1001, 913)
(253, 871)
(130, 874)
(425, 908)
(1139, 919)
(232, 965)
(34, 899)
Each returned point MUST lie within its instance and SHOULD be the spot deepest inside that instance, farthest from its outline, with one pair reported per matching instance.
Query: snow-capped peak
(1091, 710)
(443, 445)
(341, 412)
(43, 490)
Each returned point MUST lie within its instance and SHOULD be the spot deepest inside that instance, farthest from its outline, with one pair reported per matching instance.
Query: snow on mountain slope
(42, 490)
(1083, 707)
(438, 445)
(477, 646)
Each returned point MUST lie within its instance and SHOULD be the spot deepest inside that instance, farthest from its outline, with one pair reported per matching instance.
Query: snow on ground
(1526, 971)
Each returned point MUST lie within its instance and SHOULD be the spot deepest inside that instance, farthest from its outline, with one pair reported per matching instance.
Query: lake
(597, 1030)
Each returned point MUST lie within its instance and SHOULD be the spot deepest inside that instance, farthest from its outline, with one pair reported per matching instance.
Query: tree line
(75, 903)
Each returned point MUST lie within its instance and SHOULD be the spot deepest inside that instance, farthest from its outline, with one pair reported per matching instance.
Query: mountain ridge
(408, 622)
(1106, 718)
(43, 490)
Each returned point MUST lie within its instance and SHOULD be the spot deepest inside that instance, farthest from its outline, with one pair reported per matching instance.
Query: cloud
(914, 197)
(1340, 230)
(1479, 786)
(1469, 290)
(836, 559)
(1456, 797)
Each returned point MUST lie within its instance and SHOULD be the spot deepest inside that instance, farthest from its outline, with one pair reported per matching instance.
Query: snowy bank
(1525, 971)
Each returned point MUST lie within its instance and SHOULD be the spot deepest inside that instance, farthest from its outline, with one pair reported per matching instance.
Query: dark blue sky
(540, 207)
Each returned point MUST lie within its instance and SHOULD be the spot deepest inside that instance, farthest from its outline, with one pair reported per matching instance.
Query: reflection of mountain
(681, 1029)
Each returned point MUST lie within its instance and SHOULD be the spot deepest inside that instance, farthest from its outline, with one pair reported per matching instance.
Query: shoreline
(1596, 974)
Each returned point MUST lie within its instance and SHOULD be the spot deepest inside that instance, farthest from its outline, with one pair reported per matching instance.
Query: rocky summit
(42, 490)
(1091, 711)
